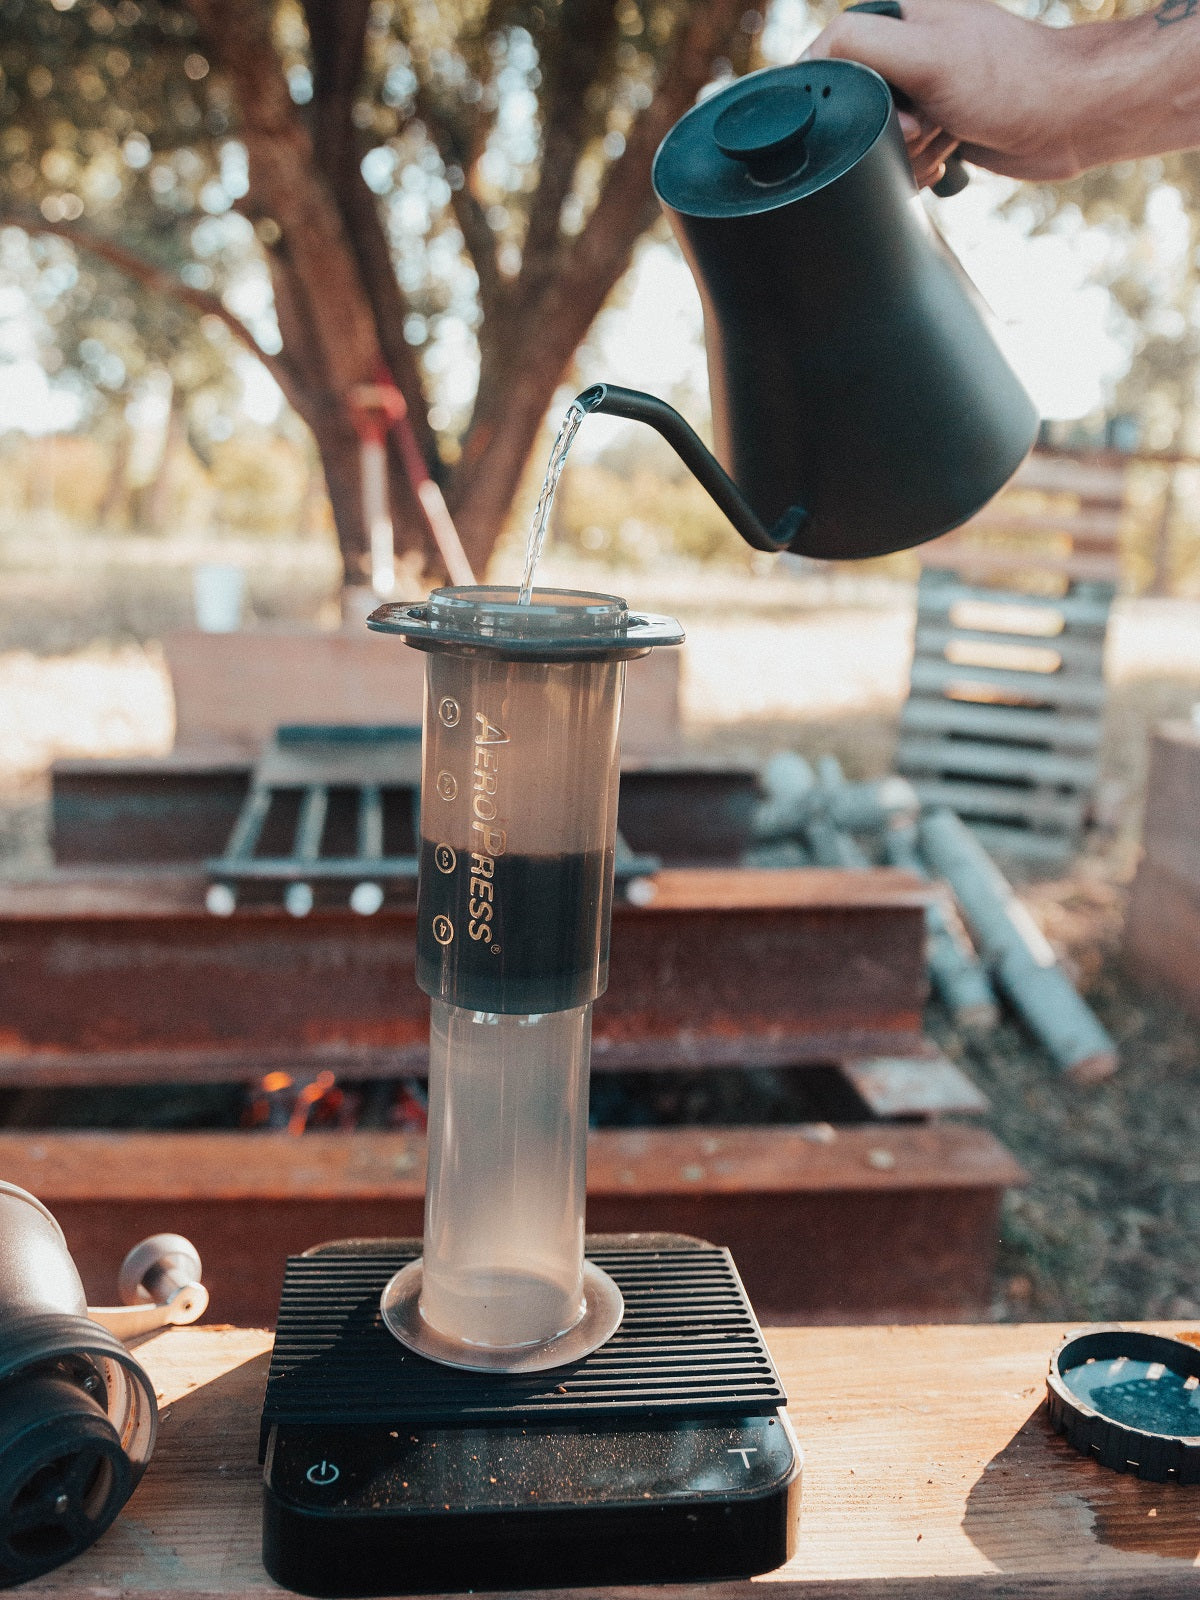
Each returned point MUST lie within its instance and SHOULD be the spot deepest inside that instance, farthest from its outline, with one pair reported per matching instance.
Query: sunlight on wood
(994, 616)
(1007, 657)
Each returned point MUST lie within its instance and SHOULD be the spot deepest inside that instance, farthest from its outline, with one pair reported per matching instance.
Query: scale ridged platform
(689, 1345)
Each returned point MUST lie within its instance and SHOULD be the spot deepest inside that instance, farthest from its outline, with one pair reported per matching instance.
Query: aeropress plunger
(518, 828)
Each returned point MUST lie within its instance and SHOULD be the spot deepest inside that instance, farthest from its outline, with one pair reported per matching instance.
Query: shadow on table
(1040, 1506)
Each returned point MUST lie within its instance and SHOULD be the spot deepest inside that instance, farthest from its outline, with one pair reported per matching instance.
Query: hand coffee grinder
(496, 1408)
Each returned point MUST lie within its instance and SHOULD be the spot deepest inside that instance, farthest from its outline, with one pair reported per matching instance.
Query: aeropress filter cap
(557, 624)
(1130, 1400)
(77, 1412)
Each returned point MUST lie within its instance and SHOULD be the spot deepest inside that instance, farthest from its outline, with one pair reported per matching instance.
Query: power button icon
(323, 1474)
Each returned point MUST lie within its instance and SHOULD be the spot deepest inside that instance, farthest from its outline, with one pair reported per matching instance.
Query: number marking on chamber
(443, 929)
(447, 785)
(449, 712)
(445, 857)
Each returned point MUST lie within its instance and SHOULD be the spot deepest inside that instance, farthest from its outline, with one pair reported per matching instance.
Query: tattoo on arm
(1175, 11)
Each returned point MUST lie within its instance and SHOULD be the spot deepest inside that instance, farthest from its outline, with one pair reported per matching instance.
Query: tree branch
(287, 187)
(158, 281)
(513, 396)
(601, 251)
(461, 147)
(337, 31)
(589, 32)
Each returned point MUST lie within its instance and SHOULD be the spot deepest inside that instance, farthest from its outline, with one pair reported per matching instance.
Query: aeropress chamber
(517, 834)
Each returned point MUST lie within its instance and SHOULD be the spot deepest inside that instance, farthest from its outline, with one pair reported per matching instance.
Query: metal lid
(1131, 1400)
(557, 624)
(771, 138)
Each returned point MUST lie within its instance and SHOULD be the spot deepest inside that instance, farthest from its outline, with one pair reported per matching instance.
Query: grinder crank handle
(956, 177)
(159, 1284)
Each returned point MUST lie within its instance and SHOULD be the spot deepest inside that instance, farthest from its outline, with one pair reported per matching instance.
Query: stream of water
(568, 428)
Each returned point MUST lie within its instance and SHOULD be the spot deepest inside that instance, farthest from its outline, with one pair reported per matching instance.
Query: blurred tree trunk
(338, 301)
(339, 304)
(156, 498)
(1160, 582)
(114, 502)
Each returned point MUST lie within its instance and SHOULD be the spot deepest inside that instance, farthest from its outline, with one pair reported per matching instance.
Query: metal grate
(689, 1345)
(323, 802)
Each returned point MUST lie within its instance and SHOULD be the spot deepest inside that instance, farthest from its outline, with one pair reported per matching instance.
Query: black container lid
(1130, 1400)
(771, 138)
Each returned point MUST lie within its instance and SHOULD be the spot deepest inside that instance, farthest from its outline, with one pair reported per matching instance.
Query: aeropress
(493, 1406)
(518, 826)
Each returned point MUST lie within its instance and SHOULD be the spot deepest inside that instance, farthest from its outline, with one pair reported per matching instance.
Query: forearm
(1138, 87)
(1026, 99)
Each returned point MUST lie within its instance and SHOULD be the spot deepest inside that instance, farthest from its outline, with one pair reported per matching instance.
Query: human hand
(1007, 93)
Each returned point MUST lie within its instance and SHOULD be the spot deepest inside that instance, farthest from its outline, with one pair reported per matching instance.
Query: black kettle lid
(770, 138)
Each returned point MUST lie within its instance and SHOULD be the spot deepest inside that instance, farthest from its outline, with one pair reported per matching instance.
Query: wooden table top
(931, 1473)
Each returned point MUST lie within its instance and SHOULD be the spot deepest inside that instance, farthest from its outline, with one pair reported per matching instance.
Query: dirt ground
(1109, 1224)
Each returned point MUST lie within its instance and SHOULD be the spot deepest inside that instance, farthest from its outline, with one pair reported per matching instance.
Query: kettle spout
(699, 460)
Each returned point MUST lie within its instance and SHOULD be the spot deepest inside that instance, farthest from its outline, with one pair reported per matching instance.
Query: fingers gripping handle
(955, 178)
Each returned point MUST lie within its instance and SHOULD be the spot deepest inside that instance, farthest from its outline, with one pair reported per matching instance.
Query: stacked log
(982, 943)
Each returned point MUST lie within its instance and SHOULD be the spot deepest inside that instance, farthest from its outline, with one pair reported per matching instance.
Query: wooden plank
(166, 810)
(761, 889)
(939, 592)
(617, 1051)
(993, 801)
(685, 807)
(976, 758)
(1162, 932)
(1092, 525)
(723, 967)
(910, 1086)
(155, 892)
(237, 688)
(886, 1221)
(1096, 481)
(161, 892)
(1027, 725)
(931, 1473)
(103, 1167)
(1074, 694)
(1171, 825)
(1086, 655)
(958, 556)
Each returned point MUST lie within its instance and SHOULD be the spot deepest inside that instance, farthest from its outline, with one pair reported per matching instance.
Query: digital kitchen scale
(666, 1455)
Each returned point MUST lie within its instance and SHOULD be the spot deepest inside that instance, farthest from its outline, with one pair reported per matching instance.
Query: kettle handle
(698, 459)
(956, 177)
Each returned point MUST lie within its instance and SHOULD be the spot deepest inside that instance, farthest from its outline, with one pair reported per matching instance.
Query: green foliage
(111, 113)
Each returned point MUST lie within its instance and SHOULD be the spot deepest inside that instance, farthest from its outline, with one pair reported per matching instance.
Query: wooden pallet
(1006, 700)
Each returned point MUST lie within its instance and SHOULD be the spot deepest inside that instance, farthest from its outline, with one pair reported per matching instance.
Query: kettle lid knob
(765, 130)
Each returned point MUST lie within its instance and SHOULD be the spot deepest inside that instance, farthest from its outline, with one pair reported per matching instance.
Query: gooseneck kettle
(860, 402)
